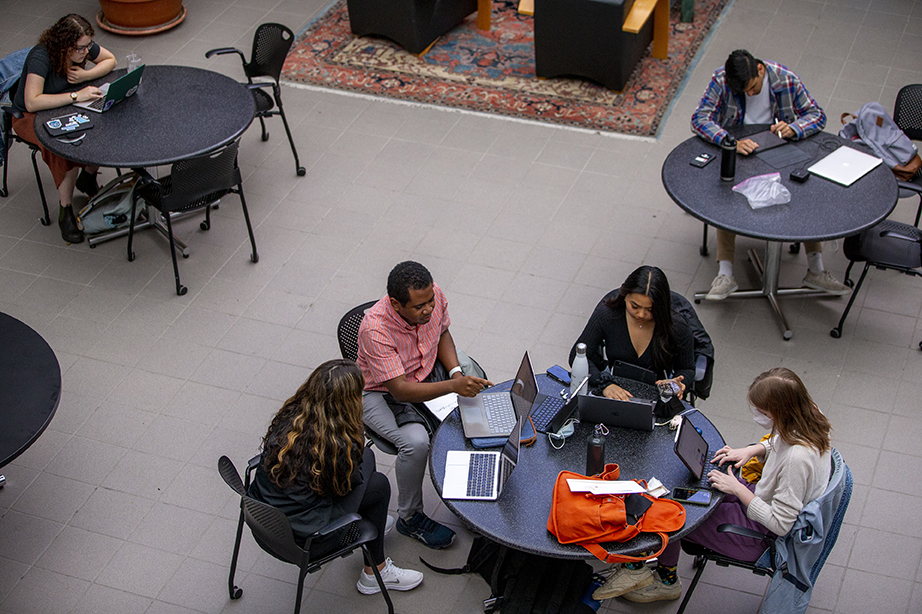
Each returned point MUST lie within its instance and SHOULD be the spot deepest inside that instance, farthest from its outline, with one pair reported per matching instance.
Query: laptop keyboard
(544, 413)
(708, 466)
(500, 415)
(98, 103)
(480, 474)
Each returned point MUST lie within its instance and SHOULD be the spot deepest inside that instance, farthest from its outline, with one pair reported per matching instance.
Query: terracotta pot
(136, 17)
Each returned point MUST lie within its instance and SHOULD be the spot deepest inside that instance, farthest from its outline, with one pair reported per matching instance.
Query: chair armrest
(256, 86)
(909, 185)
(225, 51)
(736, 529)
(701, 367)
(145, 178)
(899, 235)
(252, 464)
(639, 14)
(339, 523)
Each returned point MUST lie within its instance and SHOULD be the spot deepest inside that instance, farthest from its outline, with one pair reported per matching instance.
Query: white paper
(605, 487)
(655, 488)
(443, 405)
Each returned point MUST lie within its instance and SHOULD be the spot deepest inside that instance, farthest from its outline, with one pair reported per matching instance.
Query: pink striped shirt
(389, 347)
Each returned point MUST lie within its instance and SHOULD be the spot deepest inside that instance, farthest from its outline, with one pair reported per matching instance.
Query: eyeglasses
(82, 48)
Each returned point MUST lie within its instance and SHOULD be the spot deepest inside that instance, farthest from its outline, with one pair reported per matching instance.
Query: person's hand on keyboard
(614, 391)
(736, 456)
(726, 482)
(89, 93)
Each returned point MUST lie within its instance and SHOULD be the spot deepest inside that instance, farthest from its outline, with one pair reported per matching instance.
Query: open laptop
(845, 166)
(114, 92)
(493, 414)
(482, 475)
(692, 449)
(631, 414)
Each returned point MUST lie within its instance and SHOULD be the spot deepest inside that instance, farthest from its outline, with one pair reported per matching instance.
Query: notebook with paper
(482, 475)
(845, 166)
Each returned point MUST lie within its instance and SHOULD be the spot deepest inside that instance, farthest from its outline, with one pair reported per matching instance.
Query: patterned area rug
(494, 72)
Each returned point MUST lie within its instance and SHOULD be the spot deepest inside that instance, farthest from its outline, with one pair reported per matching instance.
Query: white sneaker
(389, 524)
(395, 579)
(826, 282)
(721, 288)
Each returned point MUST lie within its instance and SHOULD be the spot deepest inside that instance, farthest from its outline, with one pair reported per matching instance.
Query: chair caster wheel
(835, 333)
(131, 257)
(301, 171)
(44, 221)
(185, 254)
(794, 248)
(237, 593)
(265, 136)
(181, 290)
(849, 283)
(254, 258)
(205, 226)
(703, 251)
(697, 301)
(92, 246)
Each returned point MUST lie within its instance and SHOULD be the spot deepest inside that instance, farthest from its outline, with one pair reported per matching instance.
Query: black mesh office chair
(192, 184)
(271, 43)
(273, 533)
(888, 245)
(347, 333)
(8, 138)
(907, 113)
(838, 492)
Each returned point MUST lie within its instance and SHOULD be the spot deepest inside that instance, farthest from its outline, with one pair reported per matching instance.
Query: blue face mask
(761, 419)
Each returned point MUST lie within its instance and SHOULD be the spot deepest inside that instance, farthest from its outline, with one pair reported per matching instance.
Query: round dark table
(518, 519)
(819, 210)
(30, 387)
(178, 112)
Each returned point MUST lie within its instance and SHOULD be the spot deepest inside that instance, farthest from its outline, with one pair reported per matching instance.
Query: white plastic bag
(764, 190)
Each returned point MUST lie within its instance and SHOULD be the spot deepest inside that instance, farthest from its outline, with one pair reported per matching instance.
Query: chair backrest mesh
(197, 177)
(270, 47)
(907, 111)
(348, 330)
(229, 474)
(270, 526)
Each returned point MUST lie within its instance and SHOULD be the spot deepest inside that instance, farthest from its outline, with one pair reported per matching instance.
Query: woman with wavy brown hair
(52, 68)
(796, 471)
(315, 468)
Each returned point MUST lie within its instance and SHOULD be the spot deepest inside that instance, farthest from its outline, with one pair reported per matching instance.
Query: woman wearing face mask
(796, 471)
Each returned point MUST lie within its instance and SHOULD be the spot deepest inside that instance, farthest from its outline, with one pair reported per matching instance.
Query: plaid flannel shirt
(790, 100)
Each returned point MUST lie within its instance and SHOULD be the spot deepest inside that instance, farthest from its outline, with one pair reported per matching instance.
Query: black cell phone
(559, 374)
(702, 160)
(693, 496)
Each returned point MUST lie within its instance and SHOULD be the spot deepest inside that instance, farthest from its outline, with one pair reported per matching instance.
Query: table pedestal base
(152, 221)
(770, 290)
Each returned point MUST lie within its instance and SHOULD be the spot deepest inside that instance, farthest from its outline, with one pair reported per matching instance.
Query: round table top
(178, 112)
(30, 387)
(819, 210)
(518, 519)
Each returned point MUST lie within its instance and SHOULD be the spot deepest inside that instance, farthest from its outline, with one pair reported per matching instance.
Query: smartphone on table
(559, 374)
(693, 496)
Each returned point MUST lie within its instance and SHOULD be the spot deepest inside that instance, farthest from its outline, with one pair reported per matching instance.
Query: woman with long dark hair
(54, 66)
(636, 326)
(314, 468)
(796, 471)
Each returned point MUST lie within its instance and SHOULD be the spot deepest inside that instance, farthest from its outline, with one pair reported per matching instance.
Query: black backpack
(523, 583)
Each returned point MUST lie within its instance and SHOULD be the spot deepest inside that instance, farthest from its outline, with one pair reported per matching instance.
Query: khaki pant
(726, 245)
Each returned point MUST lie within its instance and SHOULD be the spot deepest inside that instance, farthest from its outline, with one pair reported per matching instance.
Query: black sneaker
(86, 183)
(68, 225)
(426, 530)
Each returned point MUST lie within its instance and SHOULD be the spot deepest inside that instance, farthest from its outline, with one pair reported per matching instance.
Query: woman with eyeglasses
(53, 67)
(315, 468)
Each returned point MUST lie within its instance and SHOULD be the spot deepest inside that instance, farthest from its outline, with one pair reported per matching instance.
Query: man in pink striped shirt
(407, 355)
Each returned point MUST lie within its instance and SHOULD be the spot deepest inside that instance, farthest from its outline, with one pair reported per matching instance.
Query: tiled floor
(119, 508)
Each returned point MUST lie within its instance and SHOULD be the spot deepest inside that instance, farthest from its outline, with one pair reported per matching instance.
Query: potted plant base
(140, 17)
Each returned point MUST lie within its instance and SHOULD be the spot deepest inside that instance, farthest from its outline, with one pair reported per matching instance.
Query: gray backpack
(111, 207)
(875, 128)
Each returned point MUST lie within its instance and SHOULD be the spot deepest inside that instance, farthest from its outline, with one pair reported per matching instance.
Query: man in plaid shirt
(751, 91)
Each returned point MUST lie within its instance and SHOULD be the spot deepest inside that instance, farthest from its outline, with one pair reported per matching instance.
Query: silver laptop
(632, 414)
(114, 92)
(493, 414)
(845, 166)
(482, 475)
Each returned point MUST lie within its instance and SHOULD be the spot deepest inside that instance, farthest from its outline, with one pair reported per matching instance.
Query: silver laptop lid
(845, 165)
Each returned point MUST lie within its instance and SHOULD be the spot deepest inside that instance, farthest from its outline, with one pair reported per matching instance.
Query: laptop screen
(510, 454)
(524, 388)
(691, 448)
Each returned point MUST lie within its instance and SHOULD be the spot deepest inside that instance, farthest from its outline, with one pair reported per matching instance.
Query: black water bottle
(595, 454)
(728, 158)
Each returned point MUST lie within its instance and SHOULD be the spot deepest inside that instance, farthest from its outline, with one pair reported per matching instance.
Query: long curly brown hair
(314, 436)
(795, 417)
(61, 39)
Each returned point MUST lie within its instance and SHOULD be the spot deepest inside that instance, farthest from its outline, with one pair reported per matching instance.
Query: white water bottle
(579, 370)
